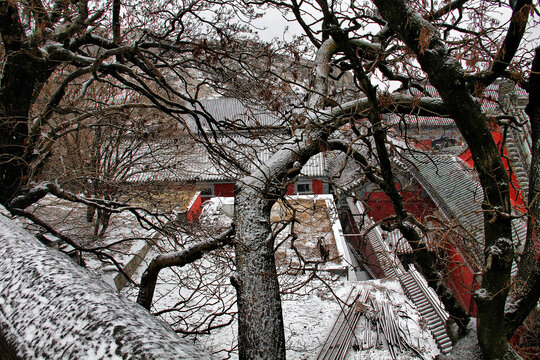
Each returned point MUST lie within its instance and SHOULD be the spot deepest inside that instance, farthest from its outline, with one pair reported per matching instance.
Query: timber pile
(366, 323)
(339, 339)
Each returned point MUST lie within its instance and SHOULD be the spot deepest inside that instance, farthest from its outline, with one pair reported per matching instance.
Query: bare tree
(172, 62)
(439, 63)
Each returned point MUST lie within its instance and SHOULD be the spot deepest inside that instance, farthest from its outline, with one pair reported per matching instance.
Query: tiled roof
(419, 121)
(490, 101)
(231, 114)
(457, 193)
(173, 162)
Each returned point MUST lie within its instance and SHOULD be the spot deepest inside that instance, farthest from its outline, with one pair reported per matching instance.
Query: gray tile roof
(418, 121)
(456, 191)
(169, 161)
(490, 98)
(233, 115)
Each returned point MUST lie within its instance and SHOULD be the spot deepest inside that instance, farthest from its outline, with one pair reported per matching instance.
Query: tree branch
(525, 294)
(70, 241)
(510, 45)
(180, 258)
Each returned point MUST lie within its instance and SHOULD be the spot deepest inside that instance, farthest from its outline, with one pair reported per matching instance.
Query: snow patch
(53, 308)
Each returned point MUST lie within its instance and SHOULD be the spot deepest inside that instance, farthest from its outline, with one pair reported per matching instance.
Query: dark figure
(323, 249)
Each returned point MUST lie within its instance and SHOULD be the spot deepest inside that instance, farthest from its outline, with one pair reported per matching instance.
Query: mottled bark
(446, 74)
(54, 309)
(260, 319)
(117, 38)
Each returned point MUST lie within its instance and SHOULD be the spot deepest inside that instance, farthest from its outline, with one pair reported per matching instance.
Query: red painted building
(302, 186)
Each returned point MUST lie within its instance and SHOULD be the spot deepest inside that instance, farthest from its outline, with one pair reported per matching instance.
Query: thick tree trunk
(23, 75)
(447, 76)
(16, 89)
(527, 291)
(260, 319)
(46, 297)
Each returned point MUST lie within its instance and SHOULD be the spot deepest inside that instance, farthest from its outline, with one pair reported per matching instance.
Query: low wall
(139, 253)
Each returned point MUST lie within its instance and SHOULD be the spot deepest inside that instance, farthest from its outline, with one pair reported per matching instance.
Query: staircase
(414, 284)
(517, 153)
(428, 306)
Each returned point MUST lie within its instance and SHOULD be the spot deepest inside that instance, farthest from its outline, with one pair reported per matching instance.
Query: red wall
(317, 186)
(227, 189)
(461, 280)
(422, 144)
(516, 195)
(468, 284)
(224, 190)
(380, 206)
(290, 189)
(195, 210)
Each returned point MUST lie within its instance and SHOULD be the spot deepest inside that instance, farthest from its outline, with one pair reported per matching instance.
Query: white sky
(275, 26)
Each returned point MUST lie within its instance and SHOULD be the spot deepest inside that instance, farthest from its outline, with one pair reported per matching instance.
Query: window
(303, 187)
(208, 191)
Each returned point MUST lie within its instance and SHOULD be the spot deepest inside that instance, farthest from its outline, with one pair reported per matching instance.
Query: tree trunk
(446, 74)
(527, 291)
(16, 89)
(23, 76)
(260, 319)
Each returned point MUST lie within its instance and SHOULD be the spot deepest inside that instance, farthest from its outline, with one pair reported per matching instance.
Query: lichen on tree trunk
(260, 319)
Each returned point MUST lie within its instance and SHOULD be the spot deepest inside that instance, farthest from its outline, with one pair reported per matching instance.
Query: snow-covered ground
(198, 300)
(195, 293)
(123, 238)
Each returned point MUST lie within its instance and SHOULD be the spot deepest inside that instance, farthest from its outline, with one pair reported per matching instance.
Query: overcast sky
(275, 26)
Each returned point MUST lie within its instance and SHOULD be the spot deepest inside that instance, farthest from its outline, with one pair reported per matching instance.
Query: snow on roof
(315, 167)
(169, 161)
(51, 308)
(459, 199)
(382, 256)
(232, 114)
(492, 101)
(166, 162)
(419, 121)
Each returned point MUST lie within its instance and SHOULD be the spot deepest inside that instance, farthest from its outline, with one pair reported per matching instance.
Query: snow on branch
(52, 308)
(41, 190)
(179, 258)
